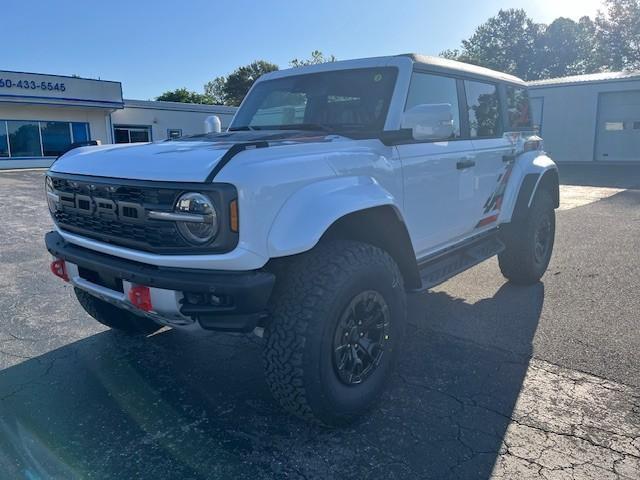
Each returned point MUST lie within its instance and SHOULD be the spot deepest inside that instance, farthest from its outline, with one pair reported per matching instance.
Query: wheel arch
(382, 227)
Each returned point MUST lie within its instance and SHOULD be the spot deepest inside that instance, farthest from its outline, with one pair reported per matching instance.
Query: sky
(154, 46)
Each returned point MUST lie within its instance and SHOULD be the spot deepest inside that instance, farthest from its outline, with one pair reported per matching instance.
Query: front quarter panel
(312, 210)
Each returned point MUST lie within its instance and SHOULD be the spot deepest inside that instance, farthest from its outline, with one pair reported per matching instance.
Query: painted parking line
(571, 425)
(572, 196)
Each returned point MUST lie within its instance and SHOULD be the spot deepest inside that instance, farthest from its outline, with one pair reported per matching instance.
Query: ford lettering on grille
(102, 207)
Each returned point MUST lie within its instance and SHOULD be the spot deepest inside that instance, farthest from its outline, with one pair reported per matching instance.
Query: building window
(24, 139)
(32, 138)
(4, 144)
(484, 109)
(174, 133)
(434, 89)
(80, 132)
(613, 126)
(131, 133)
(56, 138)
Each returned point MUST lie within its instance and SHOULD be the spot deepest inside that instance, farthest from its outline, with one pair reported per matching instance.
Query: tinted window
(56, 138)
(484, 109)
(518, 107)
(434, 89)
(338, 101)
(132, 134)
(4, 143)
(80, 132)
(24, 139)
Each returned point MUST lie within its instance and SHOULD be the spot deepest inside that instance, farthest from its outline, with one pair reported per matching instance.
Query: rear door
(438, 188)
(492, 149)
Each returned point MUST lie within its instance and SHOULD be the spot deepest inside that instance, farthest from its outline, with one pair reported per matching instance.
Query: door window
(483, 109)
(518, 107)
(434, 89)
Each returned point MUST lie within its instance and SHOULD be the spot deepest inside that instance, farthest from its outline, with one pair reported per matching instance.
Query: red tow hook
(59, 269)
(140, 297)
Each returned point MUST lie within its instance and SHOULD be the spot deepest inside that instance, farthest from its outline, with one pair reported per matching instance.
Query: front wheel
(338, 320)
(529, 242)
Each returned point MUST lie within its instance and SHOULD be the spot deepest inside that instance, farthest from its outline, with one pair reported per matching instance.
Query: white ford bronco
(337, 189)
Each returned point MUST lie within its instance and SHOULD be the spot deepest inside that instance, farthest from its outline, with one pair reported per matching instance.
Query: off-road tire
(519, 262)
(114, 317)
(310, 298)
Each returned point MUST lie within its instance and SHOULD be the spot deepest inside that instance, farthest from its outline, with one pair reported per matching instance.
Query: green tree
(567, 48)
(215, 90)
(618, 34)
(316, 57)
(231, 90)
(184, 96)
(506, 42)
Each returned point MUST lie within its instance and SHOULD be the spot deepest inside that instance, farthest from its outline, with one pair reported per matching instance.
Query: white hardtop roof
(431, 63)
(588, 78)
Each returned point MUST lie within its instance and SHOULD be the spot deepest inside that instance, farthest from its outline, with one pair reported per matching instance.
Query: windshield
(340, 101)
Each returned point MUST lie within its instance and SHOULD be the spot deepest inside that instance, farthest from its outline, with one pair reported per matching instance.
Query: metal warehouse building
(42, 115)
(589, 118)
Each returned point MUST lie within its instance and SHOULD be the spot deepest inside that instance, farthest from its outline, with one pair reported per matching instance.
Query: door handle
(462, 164)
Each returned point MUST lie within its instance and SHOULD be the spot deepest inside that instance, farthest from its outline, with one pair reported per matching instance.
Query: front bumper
(245, 295)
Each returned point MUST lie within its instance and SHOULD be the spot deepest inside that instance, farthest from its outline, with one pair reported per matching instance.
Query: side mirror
(429, 121)
(212, 124)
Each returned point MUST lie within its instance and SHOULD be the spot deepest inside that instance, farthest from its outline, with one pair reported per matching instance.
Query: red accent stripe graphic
(487, 221)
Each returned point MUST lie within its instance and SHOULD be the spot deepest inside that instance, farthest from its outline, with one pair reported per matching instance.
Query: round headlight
(201, 220)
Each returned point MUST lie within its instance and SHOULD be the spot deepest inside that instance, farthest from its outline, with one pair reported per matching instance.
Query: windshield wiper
(243, 127)
(305, 126)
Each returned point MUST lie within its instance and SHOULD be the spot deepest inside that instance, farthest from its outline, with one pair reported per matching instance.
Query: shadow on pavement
(184, 406)
(600, 175)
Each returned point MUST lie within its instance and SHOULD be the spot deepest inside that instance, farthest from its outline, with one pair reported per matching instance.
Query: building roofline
(179, 106)
(76, 77)
(588, 79)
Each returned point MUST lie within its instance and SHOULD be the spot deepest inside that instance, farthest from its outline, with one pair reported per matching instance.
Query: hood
(187, 159)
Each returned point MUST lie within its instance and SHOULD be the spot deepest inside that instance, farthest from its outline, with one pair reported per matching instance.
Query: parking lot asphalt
(496, 381)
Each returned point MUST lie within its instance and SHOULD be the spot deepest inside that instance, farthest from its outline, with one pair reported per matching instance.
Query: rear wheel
(114, 317)
(529, 242)
(338, 320)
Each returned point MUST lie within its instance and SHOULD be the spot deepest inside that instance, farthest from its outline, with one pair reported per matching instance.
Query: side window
(434, 89)
(484, 109)
(518, 107)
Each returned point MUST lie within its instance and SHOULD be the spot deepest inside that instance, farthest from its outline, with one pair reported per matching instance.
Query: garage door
(618, 131)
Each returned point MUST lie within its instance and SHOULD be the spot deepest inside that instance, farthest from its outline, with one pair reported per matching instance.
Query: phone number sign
(26, 84)
(59, 90)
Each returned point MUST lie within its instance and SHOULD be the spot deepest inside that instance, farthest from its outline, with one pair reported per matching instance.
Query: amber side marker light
(233, 215)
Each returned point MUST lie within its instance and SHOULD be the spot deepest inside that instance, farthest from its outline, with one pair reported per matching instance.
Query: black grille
(131, 227)
(150, 235)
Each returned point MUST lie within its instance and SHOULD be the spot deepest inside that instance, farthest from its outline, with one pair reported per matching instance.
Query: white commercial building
(589, 118)
(42, 115)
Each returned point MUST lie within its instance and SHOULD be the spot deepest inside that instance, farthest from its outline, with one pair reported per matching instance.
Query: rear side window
(484, 109)
(518, 107)
(434, 89)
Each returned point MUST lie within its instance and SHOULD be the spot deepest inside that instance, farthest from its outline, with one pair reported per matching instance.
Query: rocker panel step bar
(441, 268)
